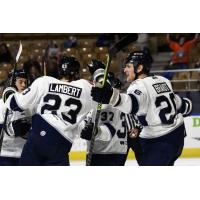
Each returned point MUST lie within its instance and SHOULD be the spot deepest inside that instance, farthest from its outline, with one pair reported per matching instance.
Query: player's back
(110, 146)
(157, 108)
(62, 105)
(113, 123)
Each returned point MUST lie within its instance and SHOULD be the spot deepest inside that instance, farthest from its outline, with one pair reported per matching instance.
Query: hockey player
(59, 105)
(18, 124)
(110, 147)
(159, 110)
(111, 140)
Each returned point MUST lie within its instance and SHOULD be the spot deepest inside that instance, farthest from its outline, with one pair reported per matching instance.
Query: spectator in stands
(5, 55)
(108, 39)
(70, 42)
(52, 57)
(197, 64)
(52, 50)
(33, 69)
(105, 40)
(142, 41)
(52, 67)
(181, 49)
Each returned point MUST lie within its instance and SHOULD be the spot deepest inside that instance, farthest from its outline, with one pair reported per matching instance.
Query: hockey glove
(87, 131)
(187, 107)
(106, 95)
(98, 77)
(102, 95)
(21, 127)
(7, 92)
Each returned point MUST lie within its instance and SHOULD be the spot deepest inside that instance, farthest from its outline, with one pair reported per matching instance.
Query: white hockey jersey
(112, 131)
(63, 105)
(12, 146)
(153, 101)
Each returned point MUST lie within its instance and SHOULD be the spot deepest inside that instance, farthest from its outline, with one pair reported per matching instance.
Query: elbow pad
(7, 92)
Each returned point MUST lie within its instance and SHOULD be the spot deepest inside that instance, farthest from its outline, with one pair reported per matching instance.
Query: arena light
(84, 70)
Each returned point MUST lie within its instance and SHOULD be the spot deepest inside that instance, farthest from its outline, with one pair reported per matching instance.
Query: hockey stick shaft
(113, 50)
(15, 64)
(97, 117)
(44, 68)
(11, 84)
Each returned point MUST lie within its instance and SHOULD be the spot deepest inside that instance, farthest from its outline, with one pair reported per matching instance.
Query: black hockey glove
(87, 131)
(21, 127)
(102, 95)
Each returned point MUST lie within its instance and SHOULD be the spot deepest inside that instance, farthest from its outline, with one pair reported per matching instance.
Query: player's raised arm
(136, 96)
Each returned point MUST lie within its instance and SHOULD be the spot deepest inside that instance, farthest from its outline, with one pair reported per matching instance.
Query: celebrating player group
(44, 118)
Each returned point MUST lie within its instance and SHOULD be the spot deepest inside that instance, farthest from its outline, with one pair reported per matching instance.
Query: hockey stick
(44, 64)
(112, 51)
(45, 68)
(11, 85)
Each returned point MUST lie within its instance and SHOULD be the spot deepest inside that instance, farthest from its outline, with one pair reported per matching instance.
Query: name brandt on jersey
(65, 89)
(161, 88)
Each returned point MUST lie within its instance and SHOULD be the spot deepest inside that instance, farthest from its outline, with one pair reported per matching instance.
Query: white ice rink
(179, 162)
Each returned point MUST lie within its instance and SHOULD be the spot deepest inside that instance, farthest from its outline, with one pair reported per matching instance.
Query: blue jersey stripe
(135, 104)
(14, 106)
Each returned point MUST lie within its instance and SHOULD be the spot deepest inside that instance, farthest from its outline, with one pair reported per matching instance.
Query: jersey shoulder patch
(26, 91)
(138, 92)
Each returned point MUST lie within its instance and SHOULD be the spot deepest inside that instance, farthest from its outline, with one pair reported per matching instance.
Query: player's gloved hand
(87, 131)
(21, 127)
(106, 95)
(98, 77)
(187, 107)
(102, 95)
(7, 92)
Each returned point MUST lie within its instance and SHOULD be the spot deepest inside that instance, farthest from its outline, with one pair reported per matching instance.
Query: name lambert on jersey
(161, 88)
(65, 89)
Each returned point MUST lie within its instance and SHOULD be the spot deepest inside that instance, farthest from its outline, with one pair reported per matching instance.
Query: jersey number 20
(167, 110)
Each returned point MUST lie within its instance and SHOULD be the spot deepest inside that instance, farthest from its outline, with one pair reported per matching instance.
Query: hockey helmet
(94, 65)
(140, 58)
(69, 66)
(19, 73)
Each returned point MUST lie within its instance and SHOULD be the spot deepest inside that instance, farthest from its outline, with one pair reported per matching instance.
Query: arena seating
(34, 46)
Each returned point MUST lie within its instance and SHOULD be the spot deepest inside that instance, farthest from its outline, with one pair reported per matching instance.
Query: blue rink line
(195, 115)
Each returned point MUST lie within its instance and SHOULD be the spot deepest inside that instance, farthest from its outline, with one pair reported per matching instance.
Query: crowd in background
(179, 47)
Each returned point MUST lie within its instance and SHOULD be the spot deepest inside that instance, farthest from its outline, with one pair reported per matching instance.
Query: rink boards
(191, 147)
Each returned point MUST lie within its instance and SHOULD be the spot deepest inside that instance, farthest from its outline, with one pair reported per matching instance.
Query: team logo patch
(138, 92)
(26, 91)
(42, 133)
